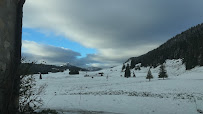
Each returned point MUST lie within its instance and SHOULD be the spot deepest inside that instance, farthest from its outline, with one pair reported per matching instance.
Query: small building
(101, 73)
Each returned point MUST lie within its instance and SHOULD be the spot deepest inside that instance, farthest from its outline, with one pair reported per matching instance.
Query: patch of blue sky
(50, 38)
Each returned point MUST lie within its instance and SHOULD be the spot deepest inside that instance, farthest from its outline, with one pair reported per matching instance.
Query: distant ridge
(187, 46)
(32, 68)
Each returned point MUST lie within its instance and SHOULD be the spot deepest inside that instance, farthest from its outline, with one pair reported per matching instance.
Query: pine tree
(134, 74)
(149, 75)
(40, 76)
(201, 61)
(127, 71)
(132, 64)
(123, 67)
(162, 73)
(201, 58)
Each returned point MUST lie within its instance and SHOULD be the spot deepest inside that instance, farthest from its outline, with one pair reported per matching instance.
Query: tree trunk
(10, 54)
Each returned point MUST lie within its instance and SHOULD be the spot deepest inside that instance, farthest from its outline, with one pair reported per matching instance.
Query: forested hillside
(187, 46)
(31, 68)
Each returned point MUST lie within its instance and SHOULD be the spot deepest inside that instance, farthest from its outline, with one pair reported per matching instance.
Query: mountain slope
(187, 46)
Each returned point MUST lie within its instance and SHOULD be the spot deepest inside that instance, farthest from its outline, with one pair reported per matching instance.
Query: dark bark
(10, 77)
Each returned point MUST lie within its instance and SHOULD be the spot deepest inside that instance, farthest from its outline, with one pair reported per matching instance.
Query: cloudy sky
(102, 33)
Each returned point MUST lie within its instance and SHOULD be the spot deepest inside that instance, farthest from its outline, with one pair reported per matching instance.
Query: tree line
(162, 72)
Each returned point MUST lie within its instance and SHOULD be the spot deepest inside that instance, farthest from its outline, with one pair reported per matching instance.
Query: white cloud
(50, 54)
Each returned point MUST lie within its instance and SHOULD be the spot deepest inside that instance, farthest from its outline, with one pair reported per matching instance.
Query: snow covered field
(181, 93)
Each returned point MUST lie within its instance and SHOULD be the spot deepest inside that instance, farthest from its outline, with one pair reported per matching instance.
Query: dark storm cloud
(118, 29)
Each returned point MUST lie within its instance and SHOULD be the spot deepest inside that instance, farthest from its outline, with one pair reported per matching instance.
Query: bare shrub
(29, 99)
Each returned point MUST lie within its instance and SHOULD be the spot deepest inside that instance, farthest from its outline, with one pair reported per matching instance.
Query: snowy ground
(181, 93)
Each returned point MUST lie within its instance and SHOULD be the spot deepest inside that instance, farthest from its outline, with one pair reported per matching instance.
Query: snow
(181, 93)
